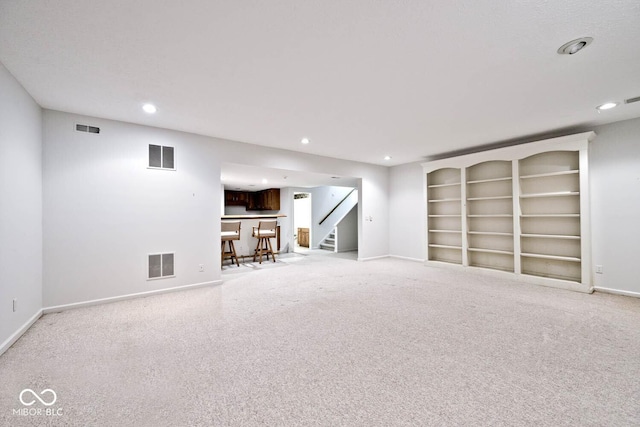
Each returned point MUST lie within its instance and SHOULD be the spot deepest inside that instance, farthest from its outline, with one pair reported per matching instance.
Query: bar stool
(263, 232)
(230, 231)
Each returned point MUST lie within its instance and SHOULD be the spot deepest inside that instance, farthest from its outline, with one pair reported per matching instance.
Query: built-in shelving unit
(550, 221)
(520, 209)
(490, 215)
(444, 216)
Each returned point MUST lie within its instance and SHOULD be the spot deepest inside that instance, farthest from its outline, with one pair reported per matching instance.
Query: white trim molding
(374, 258)
(90, 303)
(406, 258)
(17, 334)
(617, 292)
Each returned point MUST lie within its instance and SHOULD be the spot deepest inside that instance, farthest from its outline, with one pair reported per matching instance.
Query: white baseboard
(523, 278)
(17, 334)
(617, 292)
(64, 307)
(373, 257)
(347, 250)
(406, 258)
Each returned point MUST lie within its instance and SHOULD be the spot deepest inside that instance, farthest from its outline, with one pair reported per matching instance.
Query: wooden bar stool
(264, 232)
(230, 231)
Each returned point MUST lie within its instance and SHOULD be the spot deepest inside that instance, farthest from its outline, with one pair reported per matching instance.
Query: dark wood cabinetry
(270, 199)
(235, 198)
(265, 200)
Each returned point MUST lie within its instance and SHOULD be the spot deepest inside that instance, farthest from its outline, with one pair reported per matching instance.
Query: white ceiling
(250, 178)
(362, 79)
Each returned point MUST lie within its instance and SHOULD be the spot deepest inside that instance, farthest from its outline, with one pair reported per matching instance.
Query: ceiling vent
(87, 128)
(632, 100)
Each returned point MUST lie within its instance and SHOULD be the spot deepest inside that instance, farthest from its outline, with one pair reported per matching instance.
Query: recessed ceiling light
(575, 46)
(606, 106)
(264, 180)
(335, 177)
(149, 108)
(305, 140)
(387, 157)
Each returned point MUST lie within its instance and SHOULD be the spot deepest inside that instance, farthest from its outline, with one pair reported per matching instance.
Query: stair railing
(336, 207)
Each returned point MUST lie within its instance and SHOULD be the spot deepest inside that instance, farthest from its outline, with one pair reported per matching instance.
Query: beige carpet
(325, 341)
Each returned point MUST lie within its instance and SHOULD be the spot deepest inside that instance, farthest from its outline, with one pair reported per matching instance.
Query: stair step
(327, 246)
(329, 240)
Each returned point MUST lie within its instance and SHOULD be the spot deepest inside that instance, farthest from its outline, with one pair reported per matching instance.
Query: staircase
(329, 242)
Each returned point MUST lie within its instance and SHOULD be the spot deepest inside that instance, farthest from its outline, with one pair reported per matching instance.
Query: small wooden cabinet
(303, 237)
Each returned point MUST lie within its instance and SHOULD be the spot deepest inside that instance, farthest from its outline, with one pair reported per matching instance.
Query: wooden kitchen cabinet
(271, 199)
(265, 200)
(235, 198)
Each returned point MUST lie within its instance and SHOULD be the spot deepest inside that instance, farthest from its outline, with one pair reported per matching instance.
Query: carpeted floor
(328, 341)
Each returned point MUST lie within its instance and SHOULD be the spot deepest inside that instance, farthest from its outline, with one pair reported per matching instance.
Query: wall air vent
(631, 100)
(161, 266)
(87, 128)
(161, 157)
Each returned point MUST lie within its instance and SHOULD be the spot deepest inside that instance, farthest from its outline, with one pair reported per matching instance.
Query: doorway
(302, 222)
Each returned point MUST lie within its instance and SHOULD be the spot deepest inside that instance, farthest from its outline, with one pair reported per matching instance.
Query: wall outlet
(15, 304)
(201, 267)
(599, 269)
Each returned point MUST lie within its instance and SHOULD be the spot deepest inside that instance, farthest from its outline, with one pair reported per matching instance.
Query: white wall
(323, 199)
(104, 211)
(347, 232)
(614, 160)
(20, 207)
(286, 223)
(407, 212)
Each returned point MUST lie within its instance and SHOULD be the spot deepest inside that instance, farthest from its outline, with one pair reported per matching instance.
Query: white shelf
(491, 233)
(480, 181)
(443, 200)
(445, 231)
(490, 251)
(555, 194)
(544, 175)
(550, 216)
(443, 185)
(551, 236)
(445, 246)
(491, 216)
(489, 198)
(554, 257)
(445, 216)
(492, 267)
